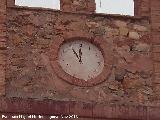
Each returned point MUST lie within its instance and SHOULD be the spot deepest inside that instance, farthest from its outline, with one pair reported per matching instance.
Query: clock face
(81, 59)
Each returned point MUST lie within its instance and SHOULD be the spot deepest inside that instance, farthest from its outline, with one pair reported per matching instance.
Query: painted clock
(80, 60)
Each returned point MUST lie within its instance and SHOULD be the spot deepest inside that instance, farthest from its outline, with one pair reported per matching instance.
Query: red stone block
(156, 57)
(156, 78)
(81, 109)
(141, 8)
(10, 3)
(86, 6)
(126, 112)
(3, 4)
(155, 37)
(157, 67)
(98, 111)
(156, 48)
(153, 113)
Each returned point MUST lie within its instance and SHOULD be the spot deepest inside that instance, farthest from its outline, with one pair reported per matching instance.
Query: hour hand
(80, 55)
(75, 53)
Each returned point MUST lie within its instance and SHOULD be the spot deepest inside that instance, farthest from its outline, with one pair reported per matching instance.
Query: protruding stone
(111, 32)
(120, 23)
(3, 46)
(17, 39)
(140, 63)
(134, 35)
(140, 98)
(142, 47)
(147, 91)
(78, 5)
(119, 74)
(130, 83)
(92, 24)
(113, 87)
(99, 31)
(140, 28)
(125, 53)
(123, 31)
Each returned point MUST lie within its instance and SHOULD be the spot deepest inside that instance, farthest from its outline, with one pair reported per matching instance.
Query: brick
(156, 57)
(3, 39)
(2, 88)
(81, 109)
(153, 113)
(156, 48)
(156, 37)
(2, 18)
(98, 110)
(156, 79)
(156, 27)
(3, 4)
(156, 89)
(87, 6)
(2, 80)
(10, 3)
(3, 46)
(141, 7)
(157, 67)
(2, 32)
(2, 60)
(3, 27)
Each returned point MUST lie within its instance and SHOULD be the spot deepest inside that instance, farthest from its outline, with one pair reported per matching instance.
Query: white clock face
(81, 59)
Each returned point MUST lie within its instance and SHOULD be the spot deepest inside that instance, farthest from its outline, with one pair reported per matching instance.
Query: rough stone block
(134, 35)
(156, 78)
(123, 31)
(87, 6)
(2, 80)
(120, 23)
(156, 56)
(157, 67)
(140, 28)
(156, 48)
(10, 3)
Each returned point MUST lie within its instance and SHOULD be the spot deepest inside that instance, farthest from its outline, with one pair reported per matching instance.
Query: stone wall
(142, 8)
(31, 33)
(155, 23)
(84, 111)
(87, 6)
(10, 3)
(3, 39)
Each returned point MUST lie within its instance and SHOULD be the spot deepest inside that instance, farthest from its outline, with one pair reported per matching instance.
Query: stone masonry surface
(28, 78)
(2, 45)
(31, 33)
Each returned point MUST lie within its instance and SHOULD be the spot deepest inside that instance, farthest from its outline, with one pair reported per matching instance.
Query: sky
(124, 7)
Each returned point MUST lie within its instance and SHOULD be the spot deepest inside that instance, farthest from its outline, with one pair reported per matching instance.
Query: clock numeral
(80, 45)
(99, 63)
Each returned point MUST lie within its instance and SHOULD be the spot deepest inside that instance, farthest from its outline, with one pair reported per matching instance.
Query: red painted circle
(100, 43)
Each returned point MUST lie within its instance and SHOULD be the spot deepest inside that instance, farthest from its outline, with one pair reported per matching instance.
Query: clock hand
(80, 55)
(75, 53)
